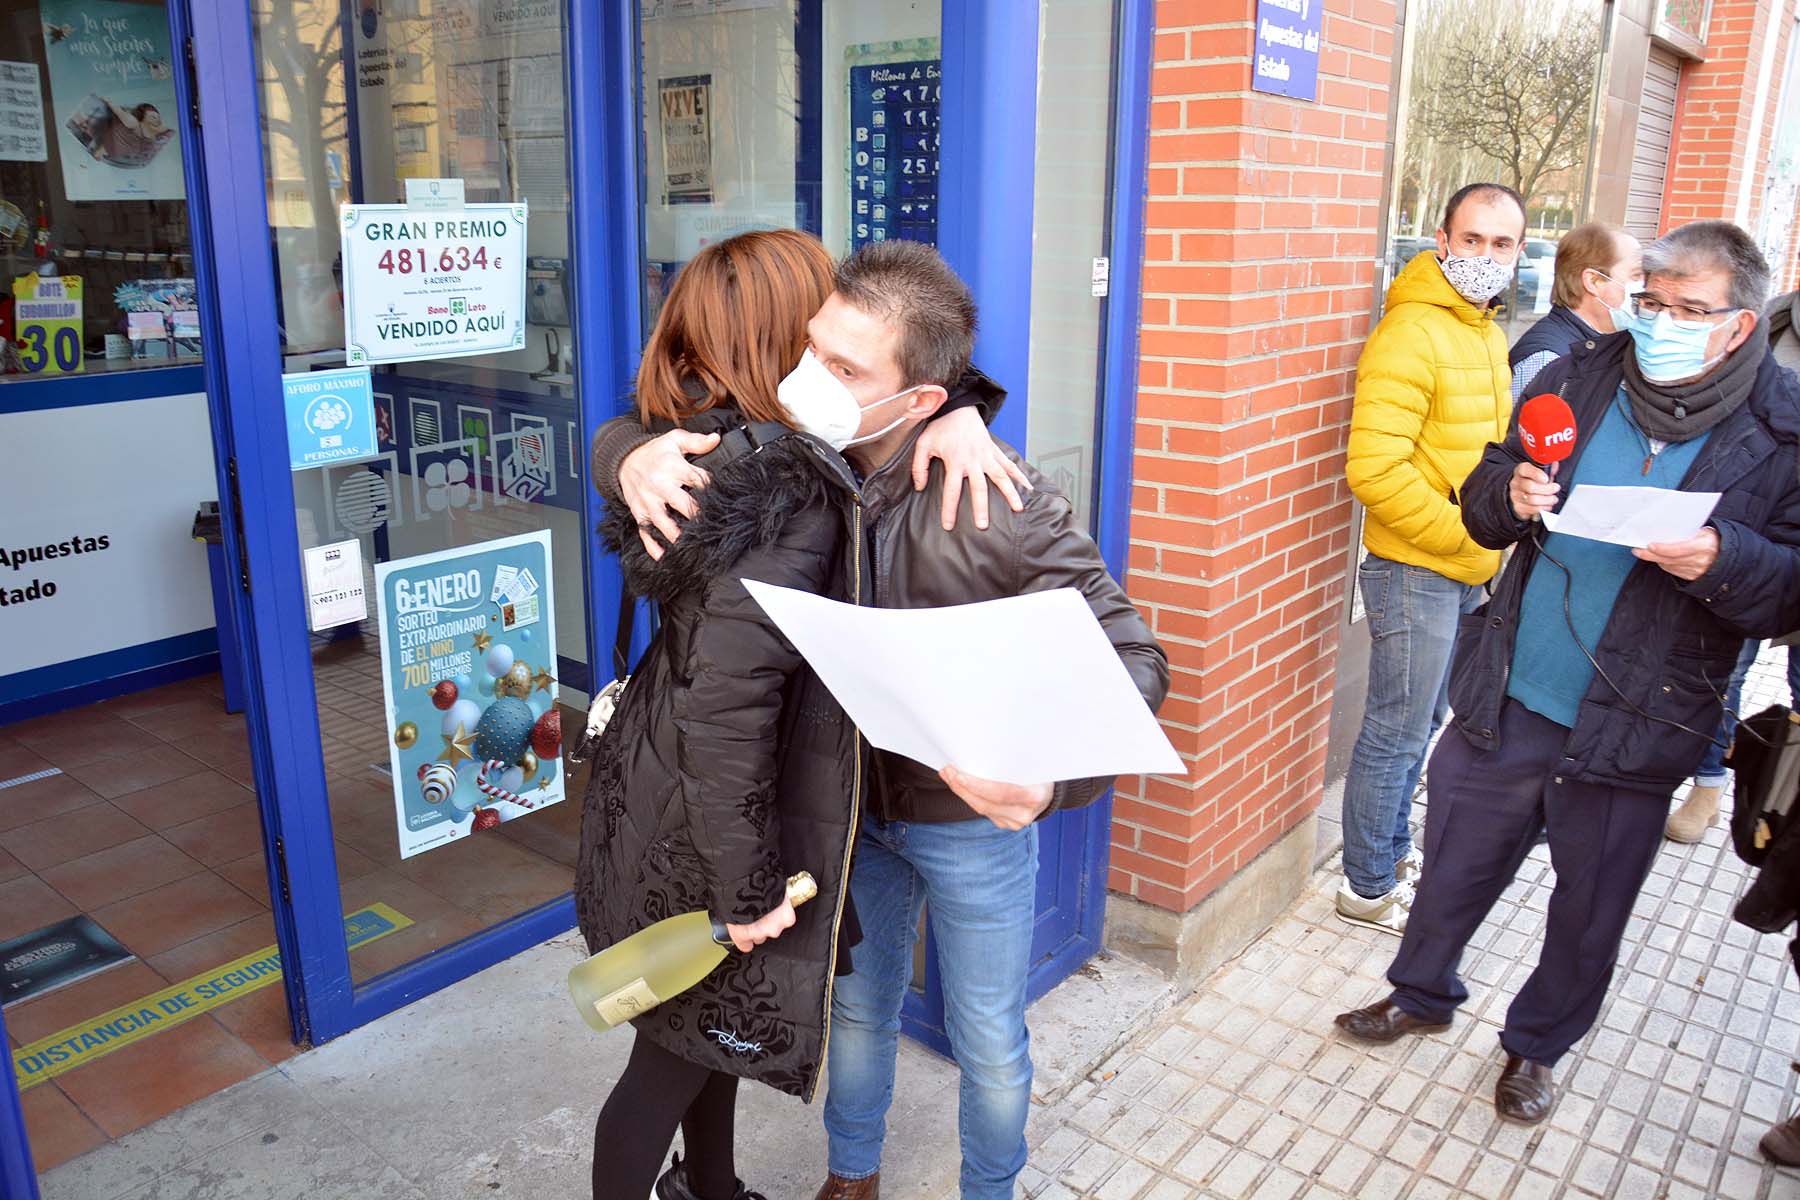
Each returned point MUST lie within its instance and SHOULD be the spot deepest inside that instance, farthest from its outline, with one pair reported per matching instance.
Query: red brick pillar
(1258, 283)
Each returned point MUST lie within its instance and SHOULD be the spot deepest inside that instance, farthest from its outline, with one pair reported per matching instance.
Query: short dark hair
(1701, 246)
(909, 285)
(1481, 191)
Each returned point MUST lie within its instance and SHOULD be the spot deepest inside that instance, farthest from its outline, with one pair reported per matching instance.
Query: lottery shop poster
(468, 653)
(428, 284)
(895, 89)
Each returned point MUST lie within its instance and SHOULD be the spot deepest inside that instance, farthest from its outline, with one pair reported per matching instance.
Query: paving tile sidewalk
(1245, 1090)
(1242, 1089)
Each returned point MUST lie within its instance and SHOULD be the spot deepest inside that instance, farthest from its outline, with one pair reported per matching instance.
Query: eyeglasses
(1648, 307)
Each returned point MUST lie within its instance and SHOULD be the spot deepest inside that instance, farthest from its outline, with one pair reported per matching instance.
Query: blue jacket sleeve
(1487, 510)
(1754, 584)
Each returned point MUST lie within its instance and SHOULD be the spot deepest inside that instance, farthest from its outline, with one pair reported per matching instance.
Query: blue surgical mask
(1668, 351)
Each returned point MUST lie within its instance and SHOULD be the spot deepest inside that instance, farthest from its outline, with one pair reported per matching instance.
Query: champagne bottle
(629, 978)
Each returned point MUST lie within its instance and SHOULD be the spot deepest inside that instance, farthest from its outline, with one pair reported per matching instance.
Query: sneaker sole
(1368, 924)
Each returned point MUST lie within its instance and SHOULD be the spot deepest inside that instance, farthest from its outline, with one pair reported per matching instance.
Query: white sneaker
(1408, 869)
(1387, 913)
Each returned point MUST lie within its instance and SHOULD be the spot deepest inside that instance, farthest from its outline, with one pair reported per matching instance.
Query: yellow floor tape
(78, 1045)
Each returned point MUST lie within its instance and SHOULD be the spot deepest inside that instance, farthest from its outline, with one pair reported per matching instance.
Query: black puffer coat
(728, 766)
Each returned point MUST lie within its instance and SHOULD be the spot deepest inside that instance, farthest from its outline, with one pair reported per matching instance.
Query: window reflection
(1498, 91)
(96, 266)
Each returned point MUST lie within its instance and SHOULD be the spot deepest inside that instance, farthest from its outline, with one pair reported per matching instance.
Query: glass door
(394, 258)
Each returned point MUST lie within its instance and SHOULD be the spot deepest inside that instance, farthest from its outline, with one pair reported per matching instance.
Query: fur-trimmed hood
(745, 506)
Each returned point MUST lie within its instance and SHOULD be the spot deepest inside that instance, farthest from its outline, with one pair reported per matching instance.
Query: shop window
(798, 114)
(1070, 270)
(94, 244)
(1775, 230)
(1493, 90)
(395, 118)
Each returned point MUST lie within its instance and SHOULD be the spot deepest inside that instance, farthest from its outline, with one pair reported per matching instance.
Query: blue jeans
(1711, 772)
(1412, 623)
(981, 885)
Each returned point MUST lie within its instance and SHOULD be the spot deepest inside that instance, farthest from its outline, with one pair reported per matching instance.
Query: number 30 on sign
(47, 322)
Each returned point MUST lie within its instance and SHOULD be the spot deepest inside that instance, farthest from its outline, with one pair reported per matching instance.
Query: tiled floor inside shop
(141, 812)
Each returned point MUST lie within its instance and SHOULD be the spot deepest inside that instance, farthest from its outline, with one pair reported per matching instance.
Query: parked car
(1537, 274)
(1405, 249)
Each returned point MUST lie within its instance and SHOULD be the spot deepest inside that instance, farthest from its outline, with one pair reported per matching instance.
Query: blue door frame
(18, 1181)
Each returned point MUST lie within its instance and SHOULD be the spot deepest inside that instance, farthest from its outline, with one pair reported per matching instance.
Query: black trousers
(1484, 811)
(658, 1092)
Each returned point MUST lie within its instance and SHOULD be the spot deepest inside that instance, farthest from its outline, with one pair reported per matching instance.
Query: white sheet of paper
(334, 584)
(1022, 690)
(1632, 516)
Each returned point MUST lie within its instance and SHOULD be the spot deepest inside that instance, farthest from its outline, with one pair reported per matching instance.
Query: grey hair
(1712, 246)
(909, 285)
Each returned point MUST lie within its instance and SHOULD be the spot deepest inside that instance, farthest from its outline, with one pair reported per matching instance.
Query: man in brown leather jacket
(896, 335)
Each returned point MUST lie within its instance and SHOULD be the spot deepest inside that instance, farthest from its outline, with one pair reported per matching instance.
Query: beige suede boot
(1696, 815)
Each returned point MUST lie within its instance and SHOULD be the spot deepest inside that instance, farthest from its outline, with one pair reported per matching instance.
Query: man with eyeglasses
(1587, 688)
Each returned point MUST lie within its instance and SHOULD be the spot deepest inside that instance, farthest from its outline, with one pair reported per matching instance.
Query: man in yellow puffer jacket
(1432, 390)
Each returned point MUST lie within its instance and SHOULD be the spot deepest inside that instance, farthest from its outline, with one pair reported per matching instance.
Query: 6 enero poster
(468, 654)
(112, 96)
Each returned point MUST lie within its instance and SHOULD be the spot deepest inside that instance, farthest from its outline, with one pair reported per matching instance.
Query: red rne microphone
(1547, 427)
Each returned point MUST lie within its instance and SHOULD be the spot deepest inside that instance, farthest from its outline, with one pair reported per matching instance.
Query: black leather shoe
(1782, 1143)
(1385, 1022)
(1524, 1093)
(674, 1185)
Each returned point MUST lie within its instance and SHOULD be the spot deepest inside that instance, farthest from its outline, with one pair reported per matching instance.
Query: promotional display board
(893, 146)
(22, 137)
(685, 103)
(47, 322)
(330, 416)
(112, 90)
(424, 284)
(102, 558)
(468, 640)
(334, 585)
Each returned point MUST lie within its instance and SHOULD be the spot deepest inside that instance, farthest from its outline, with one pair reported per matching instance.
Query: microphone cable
(1737, 719)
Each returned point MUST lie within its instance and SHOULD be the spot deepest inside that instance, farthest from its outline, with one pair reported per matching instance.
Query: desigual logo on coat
(734, 1043)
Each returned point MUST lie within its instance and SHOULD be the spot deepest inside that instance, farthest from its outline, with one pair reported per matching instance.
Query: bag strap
(622, 638)
(748, 438)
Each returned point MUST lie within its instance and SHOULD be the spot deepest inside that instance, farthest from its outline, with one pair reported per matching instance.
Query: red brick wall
(1258, 284)
(1707, 171)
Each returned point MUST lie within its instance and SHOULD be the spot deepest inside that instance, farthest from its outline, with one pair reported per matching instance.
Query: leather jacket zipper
(856, 801)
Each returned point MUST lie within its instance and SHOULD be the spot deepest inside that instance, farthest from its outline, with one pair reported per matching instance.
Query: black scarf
(1680, 412)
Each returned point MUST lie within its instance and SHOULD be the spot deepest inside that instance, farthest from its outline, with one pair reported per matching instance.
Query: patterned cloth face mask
(1476, 280)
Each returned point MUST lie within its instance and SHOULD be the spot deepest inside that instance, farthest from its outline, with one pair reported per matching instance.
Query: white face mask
(1476, 280)
(821, 404)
